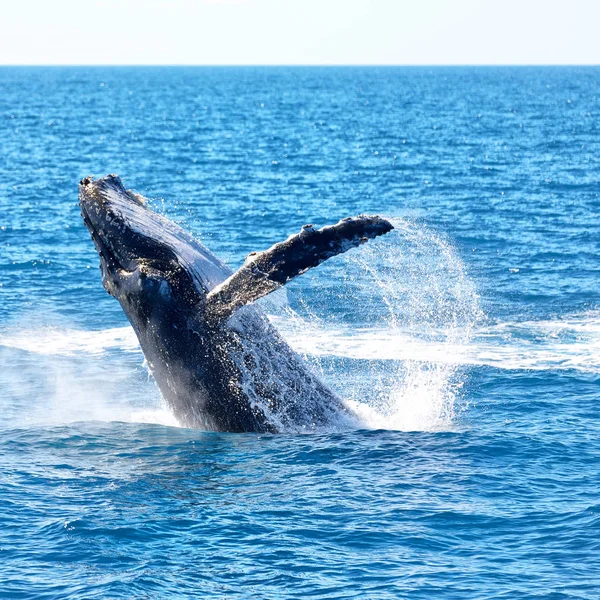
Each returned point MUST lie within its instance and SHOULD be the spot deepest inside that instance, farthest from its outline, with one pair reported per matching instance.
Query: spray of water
(56, 375)
(409, 288)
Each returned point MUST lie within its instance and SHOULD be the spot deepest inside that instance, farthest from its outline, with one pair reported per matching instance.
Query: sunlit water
(468, 339)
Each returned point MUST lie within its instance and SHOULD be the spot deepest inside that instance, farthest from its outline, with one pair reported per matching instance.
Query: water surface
(469, 338)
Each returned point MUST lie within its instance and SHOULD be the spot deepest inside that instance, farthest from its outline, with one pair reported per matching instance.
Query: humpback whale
(217, 360)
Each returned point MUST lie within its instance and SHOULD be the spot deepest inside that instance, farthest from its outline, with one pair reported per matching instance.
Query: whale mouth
(105, 224)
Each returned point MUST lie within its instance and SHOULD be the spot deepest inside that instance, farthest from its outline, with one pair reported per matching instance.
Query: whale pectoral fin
(264, 272)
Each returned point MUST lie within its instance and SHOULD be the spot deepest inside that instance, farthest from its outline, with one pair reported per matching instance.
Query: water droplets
(411, 290)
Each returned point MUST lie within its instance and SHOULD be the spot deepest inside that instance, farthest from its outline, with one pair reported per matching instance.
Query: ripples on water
(469, 338)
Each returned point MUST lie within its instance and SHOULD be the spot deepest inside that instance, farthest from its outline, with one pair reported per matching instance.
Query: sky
(305, 32)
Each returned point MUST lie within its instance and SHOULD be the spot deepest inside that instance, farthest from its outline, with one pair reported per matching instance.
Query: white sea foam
(569, 343)
(71, 342)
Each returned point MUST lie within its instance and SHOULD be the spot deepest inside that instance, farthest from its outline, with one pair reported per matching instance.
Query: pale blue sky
(300, 32)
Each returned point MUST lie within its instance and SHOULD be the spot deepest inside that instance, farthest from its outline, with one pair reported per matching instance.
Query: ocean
(468, 338)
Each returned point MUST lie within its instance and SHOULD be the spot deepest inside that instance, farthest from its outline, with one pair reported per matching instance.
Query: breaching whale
(218, 361)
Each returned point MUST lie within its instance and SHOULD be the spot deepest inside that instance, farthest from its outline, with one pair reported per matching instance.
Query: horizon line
(302, 65)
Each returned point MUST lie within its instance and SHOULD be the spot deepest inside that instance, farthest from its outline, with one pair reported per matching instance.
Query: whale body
(217, 360)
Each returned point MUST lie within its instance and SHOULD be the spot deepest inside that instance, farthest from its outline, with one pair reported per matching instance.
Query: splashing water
(412, 285)
(57, 375)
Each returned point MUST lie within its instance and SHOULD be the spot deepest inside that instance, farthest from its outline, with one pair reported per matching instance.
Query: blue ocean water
(469, 338)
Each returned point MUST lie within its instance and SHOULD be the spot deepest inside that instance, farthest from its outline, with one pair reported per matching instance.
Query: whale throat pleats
(264, 272)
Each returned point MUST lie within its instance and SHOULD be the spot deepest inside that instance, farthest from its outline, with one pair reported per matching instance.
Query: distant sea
(469, 338)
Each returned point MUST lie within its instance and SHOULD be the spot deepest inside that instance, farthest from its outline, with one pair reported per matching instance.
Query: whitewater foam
(570, 343)
(565, 344)
(71, 342)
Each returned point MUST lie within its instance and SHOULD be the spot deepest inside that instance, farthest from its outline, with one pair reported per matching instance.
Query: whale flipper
(264, 272)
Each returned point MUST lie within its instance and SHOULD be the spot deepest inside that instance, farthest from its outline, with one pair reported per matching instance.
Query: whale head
(144, 257)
